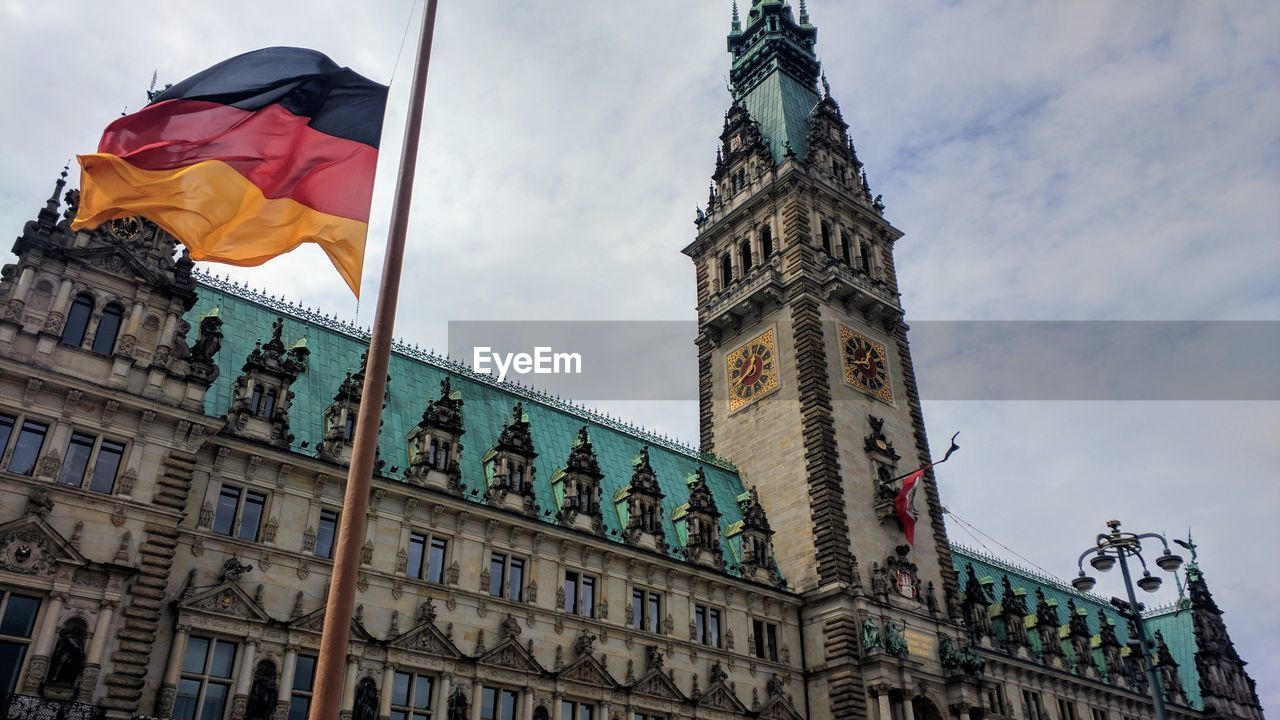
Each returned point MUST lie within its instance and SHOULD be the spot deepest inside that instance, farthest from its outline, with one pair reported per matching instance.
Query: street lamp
(1117, 546)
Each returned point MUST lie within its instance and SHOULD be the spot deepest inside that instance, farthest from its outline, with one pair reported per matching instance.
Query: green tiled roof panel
(1174, 622)
(415, 380)
(783, 107)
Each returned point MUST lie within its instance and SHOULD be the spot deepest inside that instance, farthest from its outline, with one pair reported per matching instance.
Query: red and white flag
(905, 502)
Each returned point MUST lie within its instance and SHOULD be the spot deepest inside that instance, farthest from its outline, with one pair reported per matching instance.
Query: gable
(29, 546)
(587, 669)
(779, 708)
(656, 683)
(314, 622)
(427, 638)
(720, 697)
(511, 654)
(227, 599)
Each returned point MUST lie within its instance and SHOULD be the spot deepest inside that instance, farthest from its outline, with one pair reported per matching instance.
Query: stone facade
(175, 448)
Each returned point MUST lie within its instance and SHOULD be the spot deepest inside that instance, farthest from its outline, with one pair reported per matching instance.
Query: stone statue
(457, 705)
(68, 657)
(209, 341)
(870, 636)
(894, 643)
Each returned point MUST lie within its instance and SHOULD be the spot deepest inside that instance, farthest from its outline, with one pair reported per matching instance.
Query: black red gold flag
(247, 160)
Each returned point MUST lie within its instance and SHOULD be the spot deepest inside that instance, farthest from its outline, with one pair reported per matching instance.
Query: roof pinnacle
(736, 25)
(48, 215)
(804, 12)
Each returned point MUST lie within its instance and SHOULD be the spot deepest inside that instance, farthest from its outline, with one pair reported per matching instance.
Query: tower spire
(804, 12)
(736, 24)
(48, 216)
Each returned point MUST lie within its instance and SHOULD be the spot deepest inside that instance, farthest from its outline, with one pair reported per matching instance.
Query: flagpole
(326, 700)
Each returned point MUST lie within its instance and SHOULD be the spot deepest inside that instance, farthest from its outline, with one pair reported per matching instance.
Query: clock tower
(805, 376)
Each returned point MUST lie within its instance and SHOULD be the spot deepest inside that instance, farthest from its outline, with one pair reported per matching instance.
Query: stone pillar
(97, 646)
(441, 707)
(527, 702)
(349, 688)
(39, 663)
(476, 696)
(884, 709)
(557, 706)
(384, 697)
(908, 712)
(244, 681)
(58, 311)
(285, 688)
(172, 669)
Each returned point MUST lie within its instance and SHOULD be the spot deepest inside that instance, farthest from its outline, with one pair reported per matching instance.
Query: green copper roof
(415, 379)
(1174, 621)
(783, 107)
(775, 73)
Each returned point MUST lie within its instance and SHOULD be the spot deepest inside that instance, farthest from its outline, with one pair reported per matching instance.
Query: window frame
(499, 693)
(427, 571)
(647, 618)
(72, 315)
(296, 693)
(1031, 699)
(765, 633)
(114, 310)
(703, 615)
(333, 533)
(501, 582)
(205, 677)
(237, 528)
(408, 710)
(88, 474)
(574, 602)
(21, 422)
(572, 709)
(21, 642)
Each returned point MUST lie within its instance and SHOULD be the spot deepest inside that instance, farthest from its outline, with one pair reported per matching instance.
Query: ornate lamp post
(1117, 546)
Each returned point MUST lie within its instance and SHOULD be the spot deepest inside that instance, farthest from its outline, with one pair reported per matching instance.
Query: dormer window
(104, 340)
(78, 321)
(349, 427)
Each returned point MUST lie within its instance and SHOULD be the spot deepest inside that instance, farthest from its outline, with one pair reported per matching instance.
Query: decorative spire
(736, 25)
(48, 216)
(804, 12)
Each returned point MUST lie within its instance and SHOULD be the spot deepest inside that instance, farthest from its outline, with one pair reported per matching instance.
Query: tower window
(846, 247)
(746, 256)
(826, 237)
(766, 241)
(866, 258)
(255, 401)
(269, 404)
(104, 340)
(349, 427)
(726, 270)
(77, 320)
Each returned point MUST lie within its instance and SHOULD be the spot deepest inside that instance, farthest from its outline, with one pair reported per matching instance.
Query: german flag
(247, 160)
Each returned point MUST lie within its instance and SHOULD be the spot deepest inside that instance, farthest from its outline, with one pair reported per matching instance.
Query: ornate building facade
(174, 450)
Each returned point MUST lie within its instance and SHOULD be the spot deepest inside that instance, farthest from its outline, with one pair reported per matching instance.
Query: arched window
(746, 256)
(269, 404)
(826, 237)
(77, 320)
(431, 453)
(846, 247)
(349, 426)
(517, 478)
(366, 701)
(262, 693)
(766, 242)
(726, 270)
(67, 662)
(255, 401)
(866, 258)
(442, 457)
(104, 340)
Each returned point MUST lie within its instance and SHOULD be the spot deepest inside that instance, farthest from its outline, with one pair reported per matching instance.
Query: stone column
(97, 646)
(39, 663)
(172, 669)
(908, 712)
(244, 681)
(441, 708)
(58, 311)
(384, 698)
(476, 696)
(349, 688)
(527, 703)
(285, 688)
(557, 709)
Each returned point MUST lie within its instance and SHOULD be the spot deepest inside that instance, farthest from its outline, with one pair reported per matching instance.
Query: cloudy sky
(1048, 161)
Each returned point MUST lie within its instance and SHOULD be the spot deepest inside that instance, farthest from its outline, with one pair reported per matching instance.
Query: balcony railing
(30, 707)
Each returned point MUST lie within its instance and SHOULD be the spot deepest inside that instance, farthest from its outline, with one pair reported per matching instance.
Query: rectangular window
(6, 431)
(648, 716)
(205, 685)
(1066, 709)
(304, 677)
(646, 610)
(224, 516)
(251, 515)
(706, 625)
(411, 696)
(76, 460)
(423, 563)
(765, 637)
(1101, 714)
(27, 449)
(506, 576)
(573, 710)
(325, 531)
(17, 621)
(498, 704)
(110, 453)
(1031, 708)
(995, 699)
(579, 594)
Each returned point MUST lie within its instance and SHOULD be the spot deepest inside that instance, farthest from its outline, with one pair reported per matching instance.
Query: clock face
(865, 365)
(752, 371)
